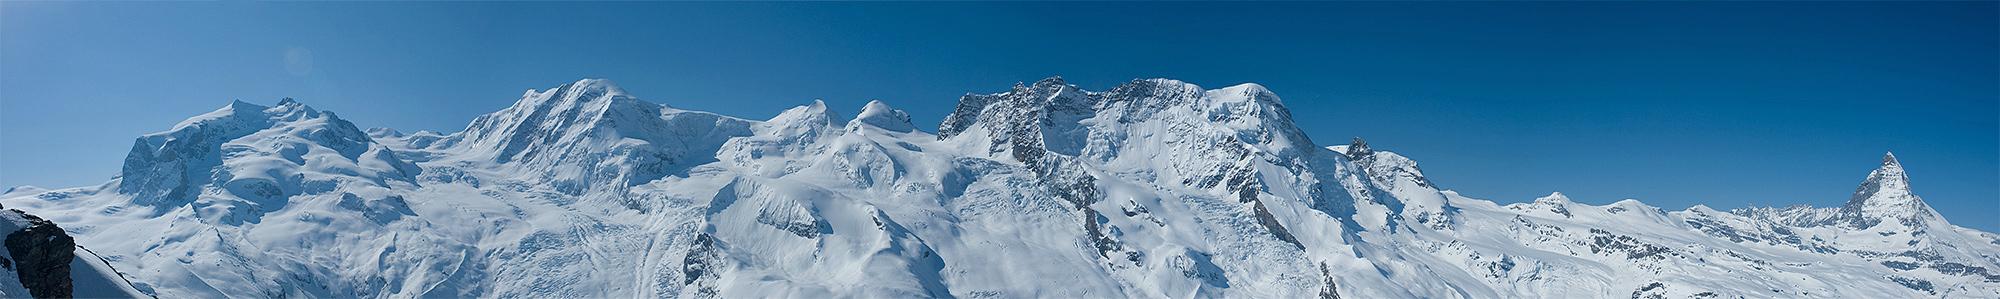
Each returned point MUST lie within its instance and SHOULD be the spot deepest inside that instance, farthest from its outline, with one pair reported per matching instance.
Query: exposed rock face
(1154, 189)
(1358, 149)
(1886, 196)
(1212, 139)
(40, 254)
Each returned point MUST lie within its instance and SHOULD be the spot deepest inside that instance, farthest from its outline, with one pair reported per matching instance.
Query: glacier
(1155, 188)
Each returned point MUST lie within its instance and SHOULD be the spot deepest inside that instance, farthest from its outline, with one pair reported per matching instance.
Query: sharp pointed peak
(1556, 203)
(1885, 194)
(1554, 197)
(1358, 149)
(1888, 177)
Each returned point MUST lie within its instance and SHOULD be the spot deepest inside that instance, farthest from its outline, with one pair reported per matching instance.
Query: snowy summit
(1155, 188)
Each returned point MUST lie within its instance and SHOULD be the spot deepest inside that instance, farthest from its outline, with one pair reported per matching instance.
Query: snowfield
(1156, 188)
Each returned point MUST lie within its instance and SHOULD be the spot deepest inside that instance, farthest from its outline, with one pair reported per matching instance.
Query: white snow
(10, 281)
(1157, 188)
(91, 277)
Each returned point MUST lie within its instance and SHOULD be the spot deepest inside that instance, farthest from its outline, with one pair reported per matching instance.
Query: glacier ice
(1155, 188)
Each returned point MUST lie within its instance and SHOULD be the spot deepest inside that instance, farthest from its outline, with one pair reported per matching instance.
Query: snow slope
(1156, 188)
(88, 275)
(92, 277)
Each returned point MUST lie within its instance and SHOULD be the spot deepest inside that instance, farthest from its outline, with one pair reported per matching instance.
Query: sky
(1727, 104)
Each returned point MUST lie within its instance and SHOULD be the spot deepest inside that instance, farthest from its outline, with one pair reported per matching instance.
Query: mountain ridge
(1155, 188)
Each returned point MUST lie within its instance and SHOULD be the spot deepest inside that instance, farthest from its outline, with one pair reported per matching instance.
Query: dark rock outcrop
(41, 253)
(1358, 149)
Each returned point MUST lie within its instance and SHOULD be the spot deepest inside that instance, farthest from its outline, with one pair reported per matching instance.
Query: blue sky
(1675, 104)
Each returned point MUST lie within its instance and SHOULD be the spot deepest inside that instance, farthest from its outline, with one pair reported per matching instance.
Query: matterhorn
(1154, 189)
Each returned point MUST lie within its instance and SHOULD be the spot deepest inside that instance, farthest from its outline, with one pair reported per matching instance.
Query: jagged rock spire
(1358, 149)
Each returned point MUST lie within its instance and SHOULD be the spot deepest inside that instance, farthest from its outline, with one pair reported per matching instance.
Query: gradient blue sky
(1675, 104)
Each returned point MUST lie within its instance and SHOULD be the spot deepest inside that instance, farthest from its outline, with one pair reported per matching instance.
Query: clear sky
(1675, 104)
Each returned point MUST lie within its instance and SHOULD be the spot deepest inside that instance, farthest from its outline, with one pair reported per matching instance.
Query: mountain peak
(575, 93)
(882, 116)
(1154, 187)
(1051, 81)
(1255, 91)
(1885, 195)
(1358, 149)
(813, 115)
(599, 84)
(171, 166)
(239, 106)
(565, 114)
(1554, 197)
(1018, 106)
(1888, 180)
(245, 115)
(874, 107)
(1555, 204)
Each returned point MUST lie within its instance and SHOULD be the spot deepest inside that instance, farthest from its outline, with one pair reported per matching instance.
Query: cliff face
(1153, 189)
(39, 254)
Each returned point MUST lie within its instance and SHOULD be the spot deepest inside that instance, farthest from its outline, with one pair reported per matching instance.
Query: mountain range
(1155, 188)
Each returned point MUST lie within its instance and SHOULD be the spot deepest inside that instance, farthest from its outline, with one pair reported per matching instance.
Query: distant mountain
(1156, 188)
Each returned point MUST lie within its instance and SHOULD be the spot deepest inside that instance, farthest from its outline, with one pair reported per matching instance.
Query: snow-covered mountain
(1156, 188)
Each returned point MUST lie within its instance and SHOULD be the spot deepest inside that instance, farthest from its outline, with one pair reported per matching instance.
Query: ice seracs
(1154, 188)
